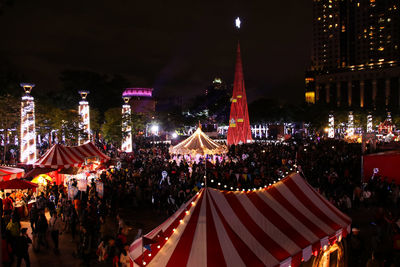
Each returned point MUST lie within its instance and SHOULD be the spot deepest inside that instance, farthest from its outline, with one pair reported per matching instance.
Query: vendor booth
(385, 165)
(61, 160)
(8, 173)
(19, 189)
(286, 224)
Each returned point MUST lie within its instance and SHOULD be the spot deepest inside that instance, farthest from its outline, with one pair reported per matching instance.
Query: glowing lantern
(28, 134)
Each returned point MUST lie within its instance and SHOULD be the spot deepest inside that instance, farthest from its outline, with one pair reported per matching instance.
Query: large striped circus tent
(286, 224)
(59, 156)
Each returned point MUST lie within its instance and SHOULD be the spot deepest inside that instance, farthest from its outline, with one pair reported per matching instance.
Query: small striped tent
(59, 156)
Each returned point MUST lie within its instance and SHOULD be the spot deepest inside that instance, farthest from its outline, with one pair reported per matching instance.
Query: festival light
(85, 117)
(237, 22)
(389, 117)
(331, 125)
(28, 134)
(369, 123)
(126, 145)
(154, 129)
(350, 125)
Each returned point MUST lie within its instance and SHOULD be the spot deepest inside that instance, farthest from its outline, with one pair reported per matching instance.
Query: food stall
(19, 189)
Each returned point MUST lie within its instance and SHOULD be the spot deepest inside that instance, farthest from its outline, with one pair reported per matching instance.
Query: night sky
(177, 47)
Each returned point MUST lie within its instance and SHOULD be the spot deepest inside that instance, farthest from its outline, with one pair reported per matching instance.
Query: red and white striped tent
(281, 225)
(59, 156)
(8, 173)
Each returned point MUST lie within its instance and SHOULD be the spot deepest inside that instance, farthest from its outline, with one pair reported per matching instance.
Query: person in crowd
(6, 251)
(33, 216)
(22, 253)
(41, 230)
(55, 226)
(8, 205)
(124, 259)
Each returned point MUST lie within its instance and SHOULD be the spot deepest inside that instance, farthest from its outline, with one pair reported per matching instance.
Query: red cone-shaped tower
(239, 125)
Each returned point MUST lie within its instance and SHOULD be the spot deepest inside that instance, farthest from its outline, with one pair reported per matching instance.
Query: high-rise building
(355, 54)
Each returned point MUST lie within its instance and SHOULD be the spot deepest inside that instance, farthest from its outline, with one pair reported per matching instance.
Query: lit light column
(126, 145)
(350, 125)
(389, 117)
(85, 117)
(28, 134)
(369, 123)
(389, 120)
(331, 131)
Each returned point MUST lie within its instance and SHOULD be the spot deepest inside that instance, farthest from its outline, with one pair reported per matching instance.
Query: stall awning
(7, 173)
(59, 156)
(17, 184)
(276, 226)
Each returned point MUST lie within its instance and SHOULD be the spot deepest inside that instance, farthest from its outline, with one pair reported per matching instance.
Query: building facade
(355, 54)
(141, 100)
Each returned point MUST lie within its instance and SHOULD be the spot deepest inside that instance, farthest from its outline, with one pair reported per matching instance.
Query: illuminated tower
(350, 125)
(239, 125)
(369, 123)
(28, 134)
(126, 145)
(331, 130)
(85, 117)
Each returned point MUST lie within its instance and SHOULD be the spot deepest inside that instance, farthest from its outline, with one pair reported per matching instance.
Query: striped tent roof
(277, 226)
(59, 156)
(7, 173)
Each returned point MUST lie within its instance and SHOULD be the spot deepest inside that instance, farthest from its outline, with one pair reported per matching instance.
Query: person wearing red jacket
(7, 205)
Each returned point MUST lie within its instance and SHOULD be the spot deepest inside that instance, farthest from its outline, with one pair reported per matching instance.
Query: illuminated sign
(131, 92)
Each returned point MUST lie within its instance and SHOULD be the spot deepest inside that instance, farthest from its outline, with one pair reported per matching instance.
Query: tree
(111, 128)
(9, 117)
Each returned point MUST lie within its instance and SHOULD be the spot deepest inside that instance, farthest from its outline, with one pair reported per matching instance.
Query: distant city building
(217, 85)
(355, 54)
(141, 99)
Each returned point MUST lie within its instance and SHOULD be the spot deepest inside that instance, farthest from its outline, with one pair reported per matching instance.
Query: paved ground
(147, 219)
(144, 219)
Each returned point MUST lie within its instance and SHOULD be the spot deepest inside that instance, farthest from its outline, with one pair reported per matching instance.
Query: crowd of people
(151, 177)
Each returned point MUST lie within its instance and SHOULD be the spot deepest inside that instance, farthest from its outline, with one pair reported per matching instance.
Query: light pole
(28, 133)
(85, 117)
(126, 145)
(331, 129)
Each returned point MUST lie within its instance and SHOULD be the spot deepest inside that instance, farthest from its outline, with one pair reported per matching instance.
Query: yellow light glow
(310, 97)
